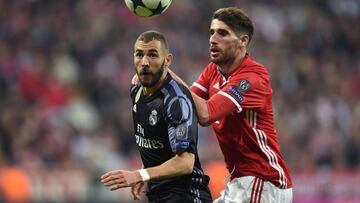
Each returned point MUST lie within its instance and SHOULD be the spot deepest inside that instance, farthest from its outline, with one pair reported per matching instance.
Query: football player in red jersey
(234, 94)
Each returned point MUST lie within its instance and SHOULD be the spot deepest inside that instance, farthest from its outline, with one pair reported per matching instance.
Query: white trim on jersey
(231, 99)
(273, 160)
(200, 87)
(257, 188)
(251, 116)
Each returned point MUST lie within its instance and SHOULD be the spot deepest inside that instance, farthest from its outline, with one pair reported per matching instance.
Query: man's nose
(213, 39)
(145, 61)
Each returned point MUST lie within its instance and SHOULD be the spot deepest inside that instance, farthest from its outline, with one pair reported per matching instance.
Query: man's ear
(168, 60)
(244, 40)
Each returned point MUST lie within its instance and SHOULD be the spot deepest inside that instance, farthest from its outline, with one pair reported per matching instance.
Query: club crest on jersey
(153, 119)
(180, 132)
(236, 93)
(244, 85)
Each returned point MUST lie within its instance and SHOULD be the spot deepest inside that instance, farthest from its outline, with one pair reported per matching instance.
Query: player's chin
(145, 80)
(215, 59)
(146, 83)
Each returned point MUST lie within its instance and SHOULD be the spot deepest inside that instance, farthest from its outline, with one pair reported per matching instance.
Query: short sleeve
(249, 90)
(243, 91)
(179, 117)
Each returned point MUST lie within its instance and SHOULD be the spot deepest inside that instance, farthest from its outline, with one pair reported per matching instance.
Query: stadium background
(65, 69)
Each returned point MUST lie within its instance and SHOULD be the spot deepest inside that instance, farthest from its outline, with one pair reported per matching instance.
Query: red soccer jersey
(240, 107)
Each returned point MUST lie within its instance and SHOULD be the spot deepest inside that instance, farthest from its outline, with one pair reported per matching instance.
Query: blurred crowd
(65, 71)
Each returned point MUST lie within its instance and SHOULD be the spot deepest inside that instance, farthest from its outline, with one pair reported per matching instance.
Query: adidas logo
(216, 86)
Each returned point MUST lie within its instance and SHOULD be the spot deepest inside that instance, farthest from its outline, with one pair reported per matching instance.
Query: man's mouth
(214, 50)
(145, 73)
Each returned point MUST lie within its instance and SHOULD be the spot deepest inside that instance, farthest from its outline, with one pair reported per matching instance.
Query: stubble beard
(224, 58)
(155, 77)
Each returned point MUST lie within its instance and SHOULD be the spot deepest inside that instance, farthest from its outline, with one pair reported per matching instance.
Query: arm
(202, 109)
(180, 164)
(200, 103)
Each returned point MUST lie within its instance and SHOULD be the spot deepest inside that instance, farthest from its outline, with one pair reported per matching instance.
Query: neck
(230, 66)
(148, 91)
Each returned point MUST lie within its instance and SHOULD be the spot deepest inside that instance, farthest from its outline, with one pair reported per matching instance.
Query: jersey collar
(225, 78)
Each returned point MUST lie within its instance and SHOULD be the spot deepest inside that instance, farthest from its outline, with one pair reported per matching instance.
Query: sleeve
(182, 127)
(244, 91)
(201, 86)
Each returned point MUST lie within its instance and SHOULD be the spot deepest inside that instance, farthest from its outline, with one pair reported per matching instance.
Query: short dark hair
(236, 19)
(151, 35)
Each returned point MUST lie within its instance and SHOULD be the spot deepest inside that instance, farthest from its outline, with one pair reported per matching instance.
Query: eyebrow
(150, 50)
(218, 30)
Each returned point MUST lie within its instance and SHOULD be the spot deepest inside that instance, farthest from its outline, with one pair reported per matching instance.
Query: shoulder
(174, 89)
(255, 67)
(177, 100)
(252, 75)
(211, 68)
(134, 89)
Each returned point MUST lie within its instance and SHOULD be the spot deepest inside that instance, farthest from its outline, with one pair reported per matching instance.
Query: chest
(217, 82)
(148, 118)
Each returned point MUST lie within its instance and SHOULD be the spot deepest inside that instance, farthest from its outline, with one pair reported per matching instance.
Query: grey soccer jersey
(165, 123)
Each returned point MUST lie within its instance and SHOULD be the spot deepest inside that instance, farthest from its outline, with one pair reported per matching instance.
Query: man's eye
(153, 55)
(139, 55)
(222, 33)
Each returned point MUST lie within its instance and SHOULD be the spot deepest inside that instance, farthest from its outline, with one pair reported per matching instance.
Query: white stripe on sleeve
(200, 87)
(232, 99)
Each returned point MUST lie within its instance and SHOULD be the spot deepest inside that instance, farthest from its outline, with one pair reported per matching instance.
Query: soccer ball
(147, 8)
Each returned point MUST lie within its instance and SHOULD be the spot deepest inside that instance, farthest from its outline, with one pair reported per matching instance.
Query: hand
(137, 189)
(135, 80)
(120, 178)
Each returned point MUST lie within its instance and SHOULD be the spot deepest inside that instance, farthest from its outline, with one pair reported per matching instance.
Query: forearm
(179, 165)
(202, 109)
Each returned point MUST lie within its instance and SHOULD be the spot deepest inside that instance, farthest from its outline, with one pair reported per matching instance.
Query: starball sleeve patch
(236, 93)
(244, 85)
(181, 132)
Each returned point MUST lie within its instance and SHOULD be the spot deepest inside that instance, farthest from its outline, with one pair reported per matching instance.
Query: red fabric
(54, 95)
(30, 84)
(50, 93)
(246, 136)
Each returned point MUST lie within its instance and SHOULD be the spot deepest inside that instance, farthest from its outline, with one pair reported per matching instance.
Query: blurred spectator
(14, 185)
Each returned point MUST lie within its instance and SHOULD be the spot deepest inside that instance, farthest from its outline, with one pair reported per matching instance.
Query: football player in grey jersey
(166, 131)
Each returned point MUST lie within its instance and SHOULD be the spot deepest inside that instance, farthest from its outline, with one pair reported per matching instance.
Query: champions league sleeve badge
(244, 85)
(180, 132)
(153, 119)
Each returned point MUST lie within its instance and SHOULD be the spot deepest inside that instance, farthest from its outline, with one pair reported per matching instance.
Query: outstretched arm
(200, 103)
(180, 164)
